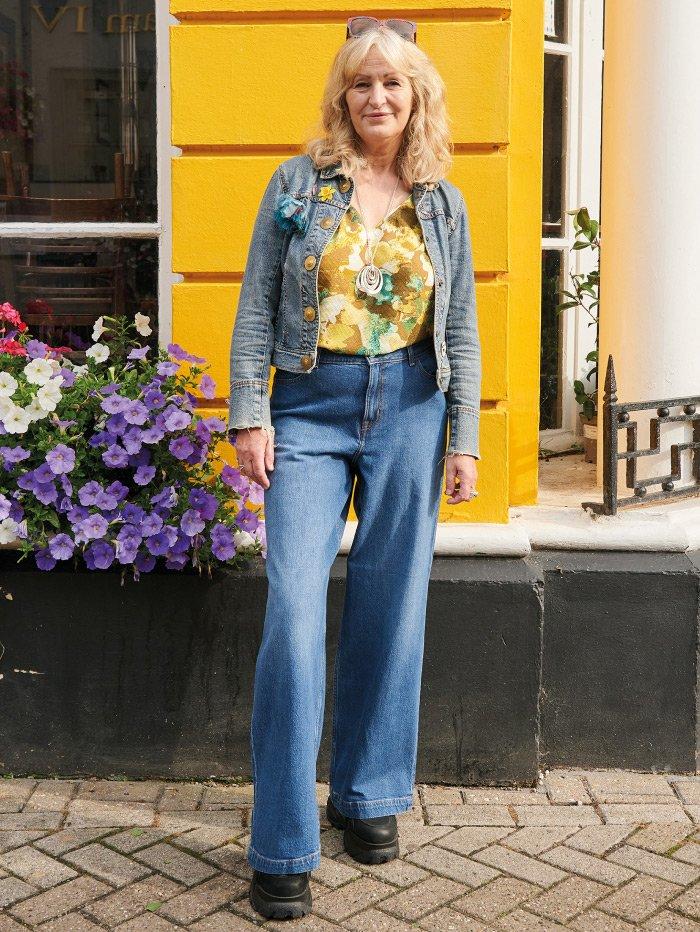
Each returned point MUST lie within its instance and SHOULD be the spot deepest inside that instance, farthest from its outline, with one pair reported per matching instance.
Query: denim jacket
(277, 320)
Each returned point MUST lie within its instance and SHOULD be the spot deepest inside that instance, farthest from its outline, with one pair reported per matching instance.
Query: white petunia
(38, 371)
(8, 530)
(80, 370)
(98, 328)
(142, 324)
(16, 421)
(6, 404)
(98, 351)
(35, 411)
(8, 385)
(49, 395)
(243, 539)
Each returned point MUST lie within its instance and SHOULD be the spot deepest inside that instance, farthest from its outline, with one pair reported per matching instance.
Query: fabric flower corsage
(291, 213)
(326, 192)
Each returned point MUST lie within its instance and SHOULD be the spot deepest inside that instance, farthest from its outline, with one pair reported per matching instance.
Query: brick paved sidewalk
(603, 851)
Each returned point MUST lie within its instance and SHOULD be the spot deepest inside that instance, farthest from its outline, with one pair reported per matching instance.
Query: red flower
(12, 347)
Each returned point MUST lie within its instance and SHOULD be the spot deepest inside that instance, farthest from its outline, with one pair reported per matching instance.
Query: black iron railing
(616, 417)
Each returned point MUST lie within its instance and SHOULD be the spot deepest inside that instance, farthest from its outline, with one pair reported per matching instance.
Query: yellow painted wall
(247, 77)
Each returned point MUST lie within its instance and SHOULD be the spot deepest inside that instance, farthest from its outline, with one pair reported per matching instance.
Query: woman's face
(379, 101)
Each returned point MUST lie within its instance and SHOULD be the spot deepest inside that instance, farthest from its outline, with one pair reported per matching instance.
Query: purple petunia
(61, 546)
(61, 459)
(177, 352)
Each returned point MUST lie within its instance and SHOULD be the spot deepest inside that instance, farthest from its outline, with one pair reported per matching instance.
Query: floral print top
(399, 314)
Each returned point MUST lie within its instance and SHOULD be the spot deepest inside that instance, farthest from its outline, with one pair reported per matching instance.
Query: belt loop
(411, 353)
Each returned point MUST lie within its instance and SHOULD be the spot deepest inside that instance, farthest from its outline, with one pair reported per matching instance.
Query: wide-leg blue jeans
(381, 423)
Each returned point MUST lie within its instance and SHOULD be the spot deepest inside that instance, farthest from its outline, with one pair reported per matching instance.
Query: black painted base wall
(565, 658)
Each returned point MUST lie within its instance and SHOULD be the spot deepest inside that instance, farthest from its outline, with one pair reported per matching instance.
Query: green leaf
(153, 905)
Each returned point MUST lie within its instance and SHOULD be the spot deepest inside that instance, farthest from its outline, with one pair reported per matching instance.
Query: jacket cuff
(464, 431)
(249, 406)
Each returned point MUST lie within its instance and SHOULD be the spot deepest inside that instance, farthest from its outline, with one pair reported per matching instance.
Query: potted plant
(585, 295)
(109, 463)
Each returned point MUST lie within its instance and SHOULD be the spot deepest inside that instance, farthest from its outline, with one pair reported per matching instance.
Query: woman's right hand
(256, 454)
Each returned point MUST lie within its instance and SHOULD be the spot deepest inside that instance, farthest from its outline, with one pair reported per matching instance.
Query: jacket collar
(331, 170)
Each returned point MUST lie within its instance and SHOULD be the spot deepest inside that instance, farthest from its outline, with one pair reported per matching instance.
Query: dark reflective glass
(551, 339)
(61, 286)
(555, 20)
(553, 146)
(77, 111)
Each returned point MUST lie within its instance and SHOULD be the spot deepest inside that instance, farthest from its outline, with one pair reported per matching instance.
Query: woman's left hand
(460, 477)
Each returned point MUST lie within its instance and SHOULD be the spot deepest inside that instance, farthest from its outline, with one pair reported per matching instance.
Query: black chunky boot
(369, 841)
(280, 896)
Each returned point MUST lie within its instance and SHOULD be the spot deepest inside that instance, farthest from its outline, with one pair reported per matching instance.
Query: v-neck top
(402, 311)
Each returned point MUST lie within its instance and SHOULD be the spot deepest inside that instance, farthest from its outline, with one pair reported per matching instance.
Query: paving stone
(452, 865)
(13, 889)
(130, 901)
(334, 873)
(607, 783)
(578, 862)
(689, 791)
(9, 925)
(485, 795)
(450, 795)
(521, 921)
(693, 812)
(332, 843)
(51, 795)
(646, 862)
(371, 920)
(688, 902)
(228, 797)
(469, 815)
(180, 822)
(666, 921)
(61, 899)
(399, 872)
(138, 791)
(85, 813)
(176, 864)
(448, 920)
(15, 839)
(351, 898)
(536, 839)
(660, 836)
(310, 923)
(223, 922)
(73, 922)
(197, 902)
(595, 921)
(471, 838)
(70, 838)
(30, 820)
(621, 813)
(414, 836)
(36, 868)
(14, 792)
(422, 898)
(231, 858)
(568, 898)
(180, 796)
(149, 922)
(597, 839)
(106, 864)
(500, 896)
(557, 815)
(207, 837)
(638, 899)
(564, 786)
(689, 853)
(134, 839)
(520, 865)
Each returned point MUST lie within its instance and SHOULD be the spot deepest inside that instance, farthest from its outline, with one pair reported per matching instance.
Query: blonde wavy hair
(426, 151)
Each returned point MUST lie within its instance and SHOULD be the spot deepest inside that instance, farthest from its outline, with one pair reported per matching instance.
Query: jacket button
(440, 282)
(443, 348)
(307, 362)
(344, 186)
(327, 222)
(310, 313)
(309, 262)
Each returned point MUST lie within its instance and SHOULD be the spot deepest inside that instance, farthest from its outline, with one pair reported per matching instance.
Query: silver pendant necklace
(369, 278)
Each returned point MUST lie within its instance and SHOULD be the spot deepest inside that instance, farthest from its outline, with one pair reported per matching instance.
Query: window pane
(555, 20)
(551, 340)
(553, 146)
(61, 287)
(77, 111)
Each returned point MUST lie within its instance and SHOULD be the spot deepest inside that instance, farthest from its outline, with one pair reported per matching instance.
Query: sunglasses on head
(359, 24)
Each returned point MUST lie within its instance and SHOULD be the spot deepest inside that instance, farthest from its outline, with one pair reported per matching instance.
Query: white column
(650, 208)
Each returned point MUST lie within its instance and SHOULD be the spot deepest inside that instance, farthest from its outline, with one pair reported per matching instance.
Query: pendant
(369, 279)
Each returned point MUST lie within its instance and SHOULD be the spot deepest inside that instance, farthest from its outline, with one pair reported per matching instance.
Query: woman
(359, 289)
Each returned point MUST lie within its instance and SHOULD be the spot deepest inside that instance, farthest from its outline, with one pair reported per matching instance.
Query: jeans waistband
(403, 354)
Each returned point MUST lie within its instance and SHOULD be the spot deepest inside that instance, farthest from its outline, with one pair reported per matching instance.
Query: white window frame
(582, 117)
(161, 230)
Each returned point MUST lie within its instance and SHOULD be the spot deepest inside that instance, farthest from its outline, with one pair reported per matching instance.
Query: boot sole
(279, 909)
(359, 849)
